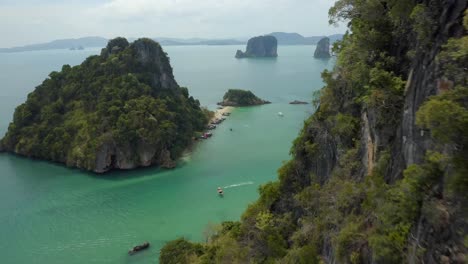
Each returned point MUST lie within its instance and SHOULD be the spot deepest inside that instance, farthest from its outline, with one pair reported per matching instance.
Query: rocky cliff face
(262, 46)
(155, 59)
(111, 155)
(438, 232)
(120, 110)
(378, 173)
(322, 51)
(442, 238)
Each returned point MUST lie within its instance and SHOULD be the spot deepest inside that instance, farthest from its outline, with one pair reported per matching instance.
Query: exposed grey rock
(432, 239)
(152, 56)
(145, 59)
(262, 46)
(298, 102)
(323, 49)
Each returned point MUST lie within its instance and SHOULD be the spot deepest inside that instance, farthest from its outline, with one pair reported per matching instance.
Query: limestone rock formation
(120, 110)
(323, 49)
(298, 102)
(378, 173)
(261, 46)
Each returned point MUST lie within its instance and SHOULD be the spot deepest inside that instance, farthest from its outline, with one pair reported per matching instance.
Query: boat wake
(238, 184)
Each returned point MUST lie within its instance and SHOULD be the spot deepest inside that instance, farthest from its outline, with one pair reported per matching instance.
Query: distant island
(237, 97)
(197, 42)
(71, 44)
(100, 42)
(297, 39)
(77, 48)
(323, 49)
(122, 109)
(298, 102)
(261, 46)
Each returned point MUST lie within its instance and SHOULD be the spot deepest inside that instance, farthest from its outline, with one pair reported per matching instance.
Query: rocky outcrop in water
(322, 51)
(120, 110)
(237, 97)
(262, 46)
(297, 102)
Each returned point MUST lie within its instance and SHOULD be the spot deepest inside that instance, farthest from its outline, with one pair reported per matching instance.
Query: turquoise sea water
(52, 214)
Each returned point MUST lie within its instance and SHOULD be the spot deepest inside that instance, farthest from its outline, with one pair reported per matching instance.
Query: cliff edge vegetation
(121, 109)
(378, 173)
(237, 97)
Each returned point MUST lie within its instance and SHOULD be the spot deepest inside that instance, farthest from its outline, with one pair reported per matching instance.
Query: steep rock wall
(261, 46)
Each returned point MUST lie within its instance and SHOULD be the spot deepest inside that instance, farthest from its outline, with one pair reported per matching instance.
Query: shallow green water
(52, 214)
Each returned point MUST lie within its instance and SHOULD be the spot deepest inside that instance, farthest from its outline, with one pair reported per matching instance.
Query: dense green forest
(120, 109)
(379, 173)
(238, 97)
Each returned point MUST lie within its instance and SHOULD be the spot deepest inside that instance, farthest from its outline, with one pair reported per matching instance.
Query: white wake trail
(238, 184)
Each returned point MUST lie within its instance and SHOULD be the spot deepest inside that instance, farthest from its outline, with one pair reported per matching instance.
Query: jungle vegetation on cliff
(379, 172)
(122, 109)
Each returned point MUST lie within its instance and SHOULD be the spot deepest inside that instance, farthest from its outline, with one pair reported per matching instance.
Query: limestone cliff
(120, 110)
(322, 51)
(262, 46)
(378, 173)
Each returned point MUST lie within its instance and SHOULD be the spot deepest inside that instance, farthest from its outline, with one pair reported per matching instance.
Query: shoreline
(218, 113)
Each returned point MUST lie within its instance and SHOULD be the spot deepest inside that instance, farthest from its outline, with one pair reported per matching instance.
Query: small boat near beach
(216, 122)
(141, 247)
(280, 113)
(206, 135)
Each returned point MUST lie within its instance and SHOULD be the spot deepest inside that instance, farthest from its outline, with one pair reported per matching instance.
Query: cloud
(131, 8)
(31, 22)
(218, 18)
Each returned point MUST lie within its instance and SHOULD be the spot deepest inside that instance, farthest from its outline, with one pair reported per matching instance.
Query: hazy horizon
(33, 21)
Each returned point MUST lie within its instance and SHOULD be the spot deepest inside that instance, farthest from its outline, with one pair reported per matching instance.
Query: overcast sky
(31, 21)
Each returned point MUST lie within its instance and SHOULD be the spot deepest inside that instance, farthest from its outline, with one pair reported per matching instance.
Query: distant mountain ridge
(61, 44)
(285, 38)
(87, 42)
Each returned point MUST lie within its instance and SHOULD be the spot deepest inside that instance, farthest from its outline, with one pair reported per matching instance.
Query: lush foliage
(446, 115)
(115, 99)
(340, 198)
(180, 251)
(241, 98)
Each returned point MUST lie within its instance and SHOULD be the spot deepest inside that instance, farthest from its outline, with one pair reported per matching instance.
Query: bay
(53, 214)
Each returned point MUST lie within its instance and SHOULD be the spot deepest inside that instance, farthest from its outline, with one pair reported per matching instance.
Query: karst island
(121, 109)
(261, 46)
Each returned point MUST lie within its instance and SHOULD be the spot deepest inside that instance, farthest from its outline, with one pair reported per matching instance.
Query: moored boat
(141, 247)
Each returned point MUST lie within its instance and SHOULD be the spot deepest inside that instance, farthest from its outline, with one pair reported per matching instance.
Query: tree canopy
(126, 98)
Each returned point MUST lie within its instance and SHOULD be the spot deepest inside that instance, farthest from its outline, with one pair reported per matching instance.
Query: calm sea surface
(52, 214)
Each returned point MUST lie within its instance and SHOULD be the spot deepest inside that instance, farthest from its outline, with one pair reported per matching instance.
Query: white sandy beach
(219, 112)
